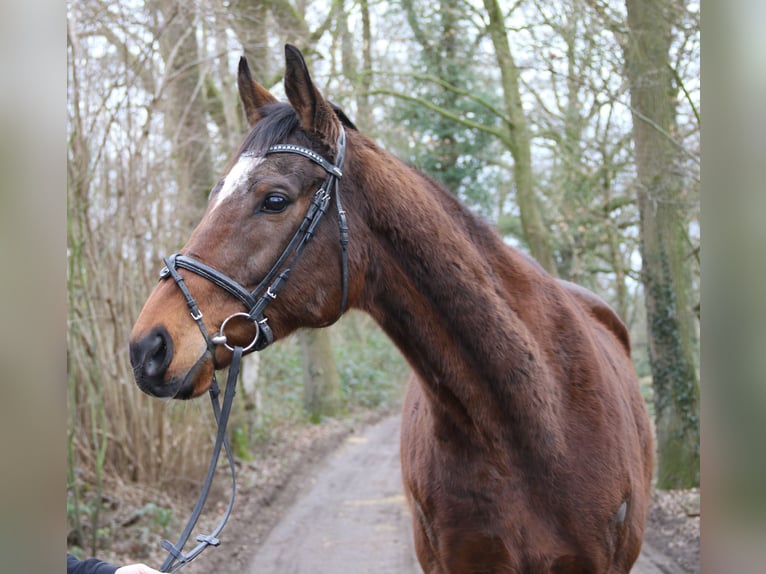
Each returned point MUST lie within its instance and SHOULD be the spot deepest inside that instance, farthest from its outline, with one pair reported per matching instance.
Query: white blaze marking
(236, 177)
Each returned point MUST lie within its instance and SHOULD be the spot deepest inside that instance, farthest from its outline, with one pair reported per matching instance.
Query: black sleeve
(89, 566)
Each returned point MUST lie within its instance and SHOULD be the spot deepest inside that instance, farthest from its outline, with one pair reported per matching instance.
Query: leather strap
(176, 557)
(214, 276)
(331, 169)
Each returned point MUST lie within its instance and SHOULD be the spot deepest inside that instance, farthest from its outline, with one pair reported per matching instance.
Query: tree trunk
(249, 22)
(442, 45)
(664, 241)
(532, 223)
(321, 379)
(360, 73)
(364, 108)
(223, 97)
(185, 118)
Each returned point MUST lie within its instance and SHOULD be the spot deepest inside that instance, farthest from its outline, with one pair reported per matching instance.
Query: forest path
(351, 517)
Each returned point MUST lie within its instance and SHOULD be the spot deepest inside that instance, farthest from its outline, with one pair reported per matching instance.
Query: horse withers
(526, 445)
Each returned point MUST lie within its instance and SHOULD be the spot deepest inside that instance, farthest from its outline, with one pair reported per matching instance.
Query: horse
(525, 441)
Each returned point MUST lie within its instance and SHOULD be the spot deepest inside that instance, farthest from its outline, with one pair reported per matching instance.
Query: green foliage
(240, 444)
(158, 518)
(674, 374)
(150, 522)
(371, 368)
(449, 76)
(641, 363)
(87, 537)
(647, 392)
(74, 510)
(280, 378)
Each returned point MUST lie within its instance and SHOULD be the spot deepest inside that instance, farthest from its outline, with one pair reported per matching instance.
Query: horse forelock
(278, 122)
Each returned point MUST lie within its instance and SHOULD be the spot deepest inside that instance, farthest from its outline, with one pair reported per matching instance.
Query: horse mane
(484, 234)
(481, 230)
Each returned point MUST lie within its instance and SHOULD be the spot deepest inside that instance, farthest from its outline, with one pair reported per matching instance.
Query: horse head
(250, 240)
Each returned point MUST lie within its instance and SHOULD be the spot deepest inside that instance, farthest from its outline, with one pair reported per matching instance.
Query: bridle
(256, 302)
(272, 283)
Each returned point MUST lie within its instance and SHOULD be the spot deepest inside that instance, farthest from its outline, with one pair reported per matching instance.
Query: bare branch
(500, 134)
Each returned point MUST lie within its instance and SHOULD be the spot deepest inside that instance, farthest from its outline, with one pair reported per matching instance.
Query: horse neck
(464, 308)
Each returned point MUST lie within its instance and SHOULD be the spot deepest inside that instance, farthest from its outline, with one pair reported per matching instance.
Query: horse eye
(274, 203)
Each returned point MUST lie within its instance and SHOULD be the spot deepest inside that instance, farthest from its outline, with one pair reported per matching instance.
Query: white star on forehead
(237, 176)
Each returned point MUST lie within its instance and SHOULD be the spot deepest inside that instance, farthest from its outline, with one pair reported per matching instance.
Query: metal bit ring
(220, 338)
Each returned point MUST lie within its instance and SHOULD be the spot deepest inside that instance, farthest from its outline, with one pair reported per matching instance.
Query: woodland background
(573, 126)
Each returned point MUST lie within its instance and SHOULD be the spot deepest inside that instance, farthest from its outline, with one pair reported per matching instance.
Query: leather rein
(256, 302)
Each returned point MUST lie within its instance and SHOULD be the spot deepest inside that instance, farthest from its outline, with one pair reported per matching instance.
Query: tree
(448, 151)
(120, 175)
(184, 106)
(321, 379)
(360, 74)
(582, 146)
(665, 246)
(519, 141)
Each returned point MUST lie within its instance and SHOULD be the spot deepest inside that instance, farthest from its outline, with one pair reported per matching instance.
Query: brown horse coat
(525, 440)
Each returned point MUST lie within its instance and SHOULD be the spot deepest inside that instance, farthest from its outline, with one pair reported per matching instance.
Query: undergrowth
(371, 369)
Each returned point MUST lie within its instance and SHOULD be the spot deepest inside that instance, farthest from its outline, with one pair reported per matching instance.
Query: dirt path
(351, 516)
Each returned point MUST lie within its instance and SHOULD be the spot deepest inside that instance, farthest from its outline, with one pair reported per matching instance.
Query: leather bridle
(256, 302)
(272, 283)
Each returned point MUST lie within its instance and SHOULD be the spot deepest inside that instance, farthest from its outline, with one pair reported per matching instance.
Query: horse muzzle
(150, 357)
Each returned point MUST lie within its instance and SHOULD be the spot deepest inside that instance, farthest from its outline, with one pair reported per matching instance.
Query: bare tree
(119, 220)
(519, 140)
(184, 105)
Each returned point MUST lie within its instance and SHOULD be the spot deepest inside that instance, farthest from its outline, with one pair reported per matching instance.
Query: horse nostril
(151, 356)
(156, 352)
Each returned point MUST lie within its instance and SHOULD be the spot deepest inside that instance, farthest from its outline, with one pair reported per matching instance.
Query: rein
(256, 302)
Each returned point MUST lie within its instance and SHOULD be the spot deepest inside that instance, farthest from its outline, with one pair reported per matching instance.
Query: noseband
(256, 302)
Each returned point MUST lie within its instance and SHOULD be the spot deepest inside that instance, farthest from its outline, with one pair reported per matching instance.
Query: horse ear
(314, 112)
(253, 95)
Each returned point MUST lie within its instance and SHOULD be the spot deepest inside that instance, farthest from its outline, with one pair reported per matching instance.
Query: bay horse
(525, 442)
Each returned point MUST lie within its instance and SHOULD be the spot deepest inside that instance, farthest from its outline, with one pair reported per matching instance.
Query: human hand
(136, 569)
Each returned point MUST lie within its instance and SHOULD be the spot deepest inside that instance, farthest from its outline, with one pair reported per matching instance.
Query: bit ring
(220, 338)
